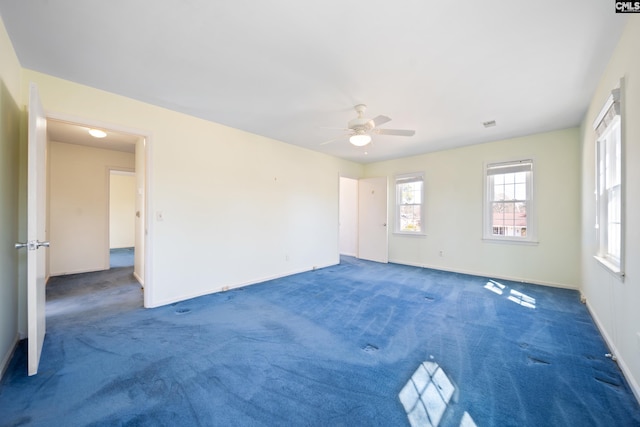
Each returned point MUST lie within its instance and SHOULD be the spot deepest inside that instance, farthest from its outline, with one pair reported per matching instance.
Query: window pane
(409, 204)
(508, 178)
(410, 218)
(410, 193)
(509, 219)
(609, 193)
(520, 177)
(521, 209)
(613, 217)
(509, 191)
(498, 191)
(618, 157)
(521, 191)
(508, 194)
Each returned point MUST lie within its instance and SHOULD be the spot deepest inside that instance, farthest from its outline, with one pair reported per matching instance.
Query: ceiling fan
(360, 129)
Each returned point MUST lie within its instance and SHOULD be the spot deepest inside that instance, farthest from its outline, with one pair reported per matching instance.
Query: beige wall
(10, 122)
(614, 302)
(236, 208)
(79, 206)
(122, 210)
(454, 187)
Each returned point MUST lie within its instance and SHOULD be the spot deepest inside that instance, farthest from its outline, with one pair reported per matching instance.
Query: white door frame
(148, 200)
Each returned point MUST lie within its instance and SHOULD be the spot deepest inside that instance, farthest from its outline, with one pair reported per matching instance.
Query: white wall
(454, 189)
(79, 206)
(236, 208)
(613, 302)
(348, 216)
(9, 196)
(122, 210)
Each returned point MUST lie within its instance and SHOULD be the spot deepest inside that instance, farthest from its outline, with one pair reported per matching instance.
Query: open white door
(373, 239)
(36, 217)
(140, 227)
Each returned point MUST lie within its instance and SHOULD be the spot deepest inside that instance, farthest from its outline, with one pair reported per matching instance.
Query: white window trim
(614, 100)
(396, 227)
(489, 237)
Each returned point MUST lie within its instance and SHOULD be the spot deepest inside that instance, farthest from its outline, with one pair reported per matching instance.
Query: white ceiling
(72, 133)
(289, 70)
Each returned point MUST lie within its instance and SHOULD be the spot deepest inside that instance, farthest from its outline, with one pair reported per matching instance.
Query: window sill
(610, 267)
(510, 241)
(408, 233)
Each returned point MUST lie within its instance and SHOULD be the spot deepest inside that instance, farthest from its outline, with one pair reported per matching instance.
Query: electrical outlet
(441, 253)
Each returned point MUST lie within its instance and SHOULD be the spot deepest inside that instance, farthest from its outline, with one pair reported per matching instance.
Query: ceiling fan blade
(335, 139)
(380, 120)
(333, 128)
(396, 132)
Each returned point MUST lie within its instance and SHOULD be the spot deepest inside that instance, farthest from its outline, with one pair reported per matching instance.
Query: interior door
(36, 238)
(138, 263)
(373, 237)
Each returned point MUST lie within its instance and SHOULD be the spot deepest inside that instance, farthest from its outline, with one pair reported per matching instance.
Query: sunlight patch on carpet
(427, 395)
(513, 296)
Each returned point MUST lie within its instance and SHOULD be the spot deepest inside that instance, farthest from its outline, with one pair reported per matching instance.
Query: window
(609, 184)
(508, 208)
(409, 203)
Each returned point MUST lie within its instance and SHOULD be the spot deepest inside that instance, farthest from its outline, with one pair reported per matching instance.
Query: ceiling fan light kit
(361, 128)
(360, 140)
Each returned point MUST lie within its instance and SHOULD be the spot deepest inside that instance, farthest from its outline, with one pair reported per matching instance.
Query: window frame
(406, 178)
(490, 171)
(608, 129)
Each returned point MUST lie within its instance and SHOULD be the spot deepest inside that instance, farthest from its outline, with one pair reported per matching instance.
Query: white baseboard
(349, 254)
(4, 363)
(614, 351)
(80, 271)
(233, 286)
(138, 278)
(485, 274)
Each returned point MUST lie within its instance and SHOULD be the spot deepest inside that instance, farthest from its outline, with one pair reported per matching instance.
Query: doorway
(80, 171)
(363, 218)
(348, 216)
(122, 214)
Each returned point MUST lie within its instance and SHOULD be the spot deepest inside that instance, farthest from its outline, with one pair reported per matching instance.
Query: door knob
(31, 245)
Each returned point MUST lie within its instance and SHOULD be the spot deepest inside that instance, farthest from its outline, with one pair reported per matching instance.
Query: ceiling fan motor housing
(361, 124)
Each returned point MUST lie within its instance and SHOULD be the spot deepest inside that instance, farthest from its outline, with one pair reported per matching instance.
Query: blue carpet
(121, 257)
(359, 343)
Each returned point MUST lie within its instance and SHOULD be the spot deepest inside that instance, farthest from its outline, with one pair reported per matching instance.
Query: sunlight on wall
(427, 395)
